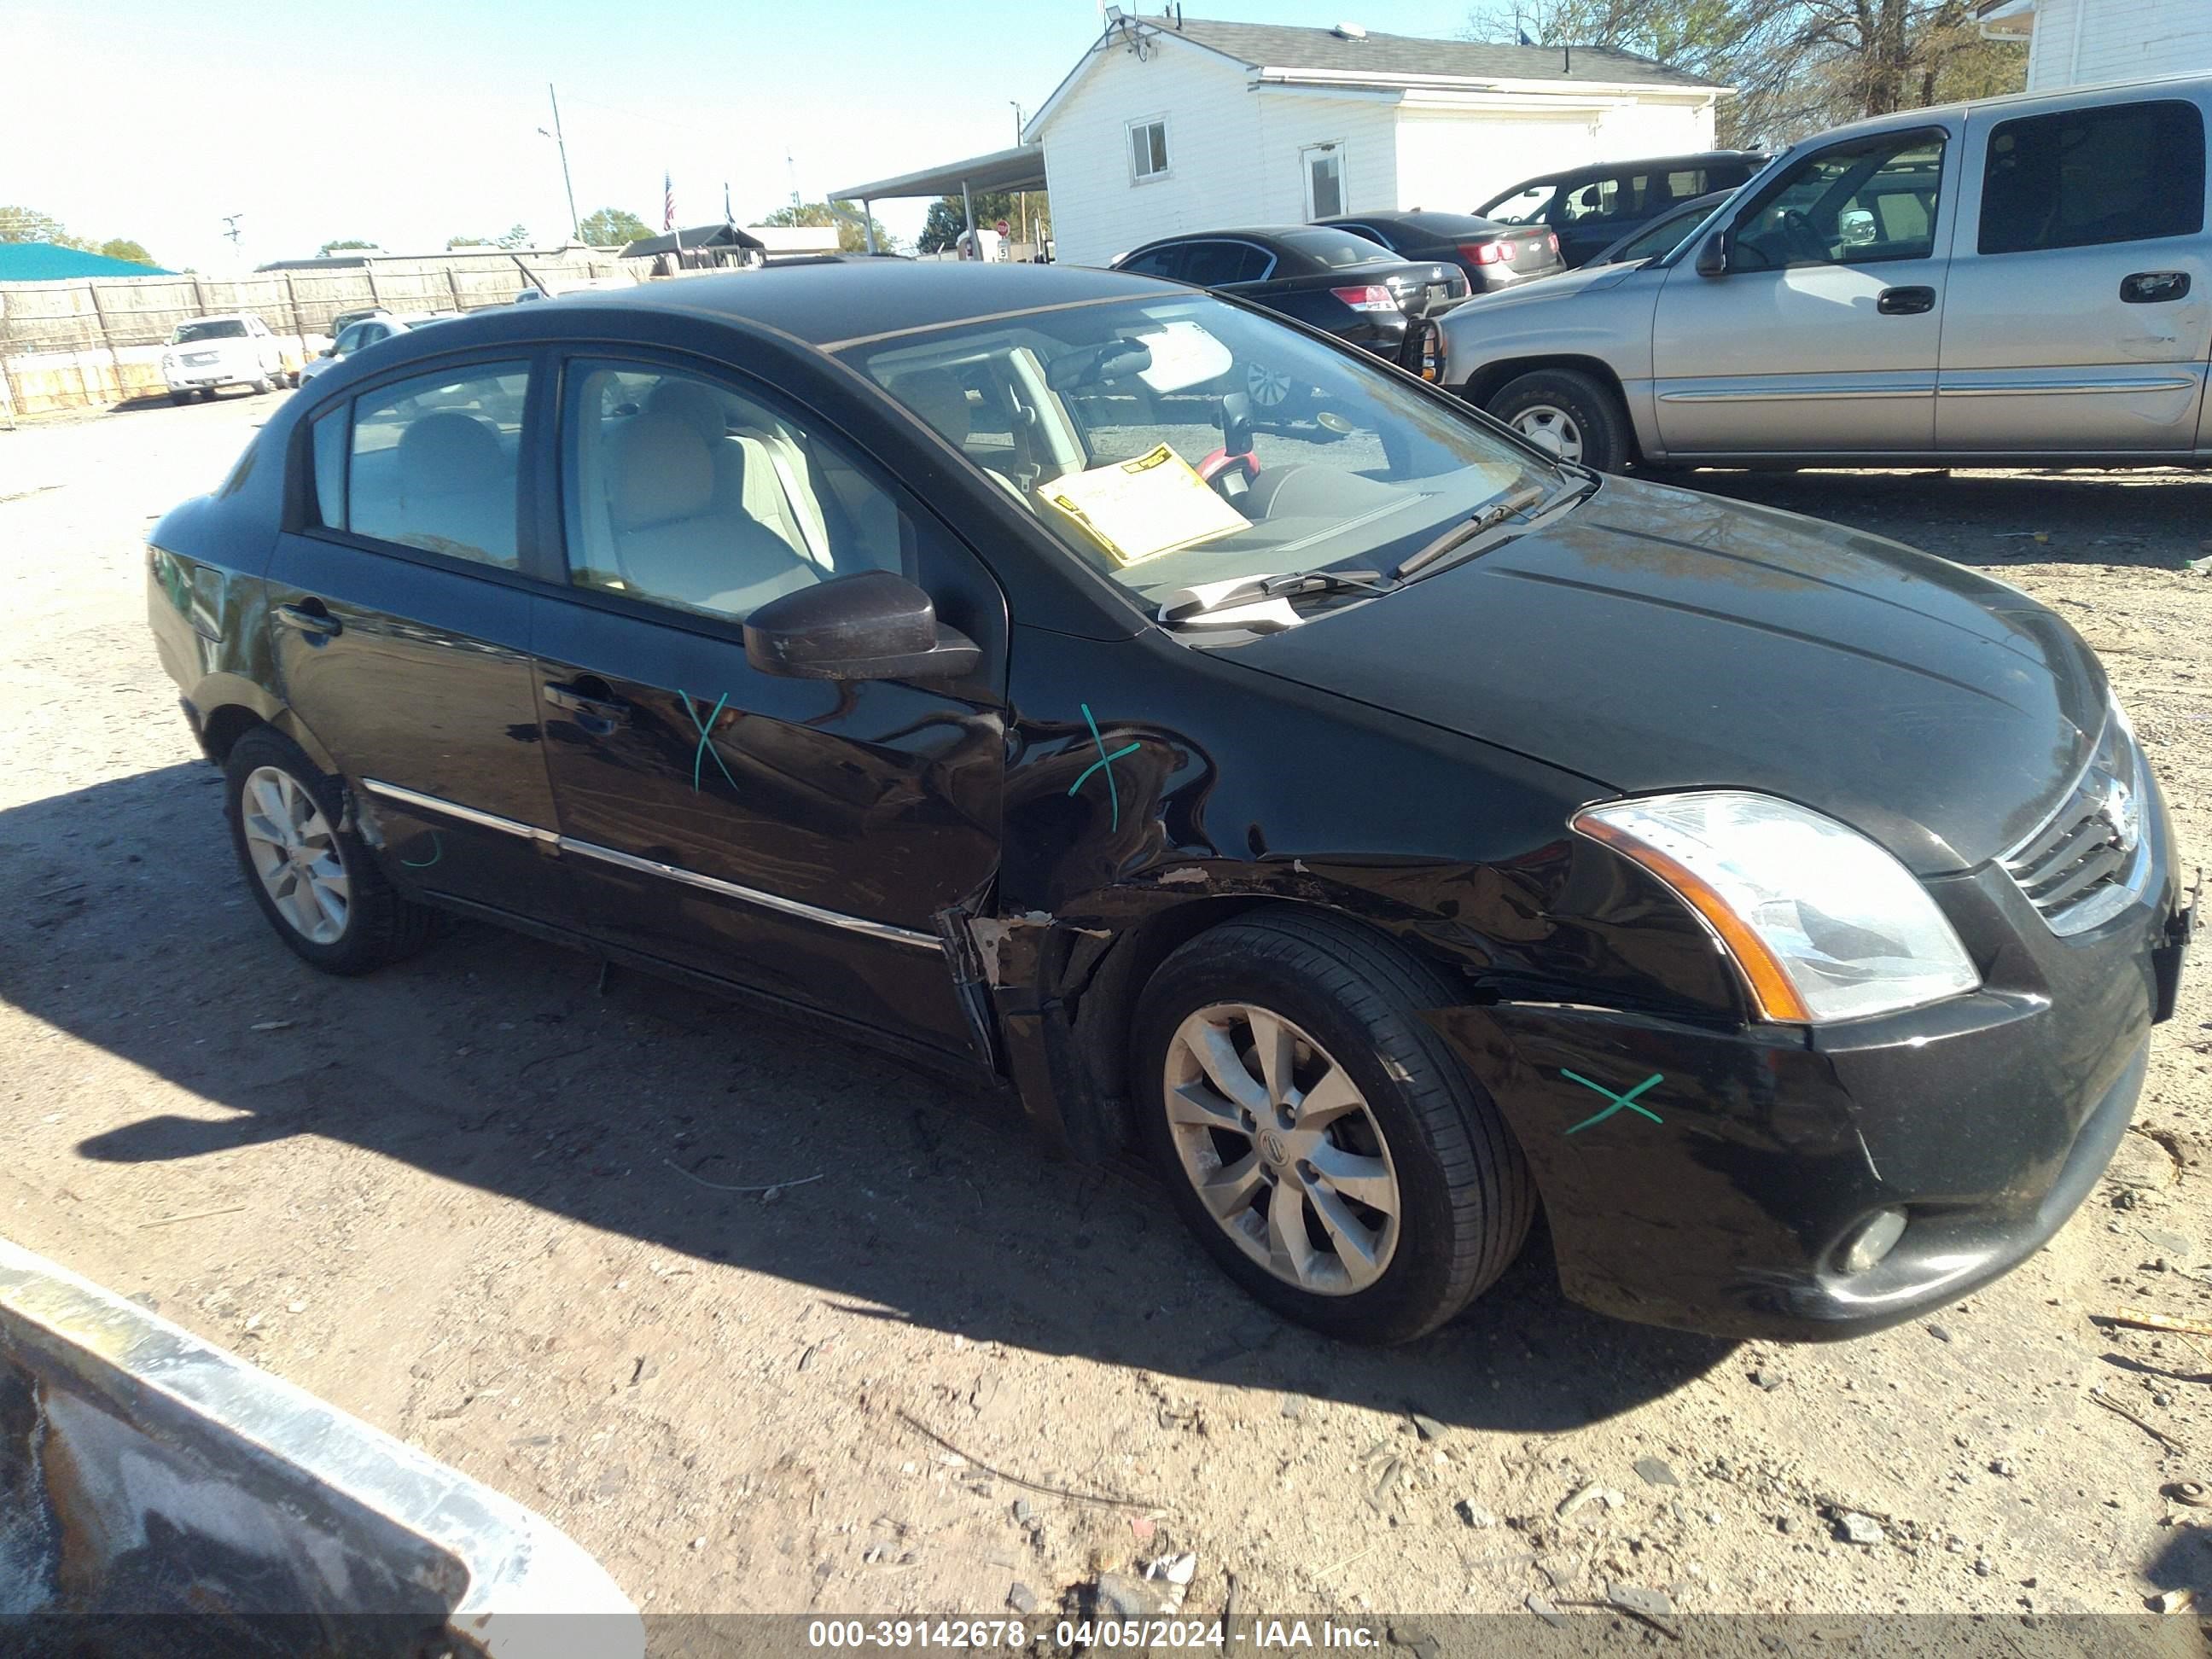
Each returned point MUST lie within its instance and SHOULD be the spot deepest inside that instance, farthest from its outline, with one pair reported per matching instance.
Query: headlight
(1822, 923)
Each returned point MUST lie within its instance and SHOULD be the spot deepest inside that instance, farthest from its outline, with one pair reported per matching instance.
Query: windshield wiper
(1292, 585)
(1467, 529)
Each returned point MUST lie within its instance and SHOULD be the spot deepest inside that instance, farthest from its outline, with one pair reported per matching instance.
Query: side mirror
(870, 626)
(1712, 255)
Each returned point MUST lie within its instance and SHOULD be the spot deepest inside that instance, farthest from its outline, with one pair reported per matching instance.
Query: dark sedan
(1490, 256)
(1328, 279)
(1386, 828)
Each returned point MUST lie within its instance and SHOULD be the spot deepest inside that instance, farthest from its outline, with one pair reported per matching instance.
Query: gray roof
(1260, 46)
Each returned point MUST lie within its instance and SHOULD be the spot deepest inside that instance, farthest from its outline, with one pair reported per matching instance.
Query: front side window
(432, 464)
(1595, 203)
(1861, 203)
(2126, 172)
(690, 494)
(1097, 418)
(1148, 148)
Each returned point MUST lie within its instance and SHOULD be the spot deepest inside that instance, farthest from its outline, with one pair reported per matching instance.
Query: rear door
(1821, 337)
(2081, 318)
(400, 616)
(800, 837)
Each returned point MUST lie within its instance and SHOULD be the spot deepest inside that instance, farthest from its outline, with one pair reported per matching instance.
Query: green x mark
(1619, 1100)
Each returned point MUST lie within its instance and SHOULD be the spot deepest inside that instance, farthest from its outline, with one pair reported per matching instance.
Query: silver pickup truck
(2021, 281)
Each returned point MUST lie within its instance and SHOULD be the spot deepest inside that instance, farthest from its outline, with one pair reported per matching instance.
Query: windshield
(219, 328)
(1102, 419)
(1522, 207)
(1337, 249)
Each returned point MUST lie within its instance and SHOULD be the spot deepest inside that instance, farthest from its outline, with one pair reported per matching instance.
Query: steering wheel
(1803, 241)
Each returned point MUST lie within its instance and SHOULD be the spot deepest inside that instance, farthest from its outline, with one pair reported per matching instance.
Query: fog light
(1874, 1240)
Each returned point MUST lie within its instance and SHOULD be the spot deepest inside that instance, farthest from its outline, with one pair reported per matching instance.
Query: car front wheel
(312, 875)
(1319, 1139)
(1574, 415)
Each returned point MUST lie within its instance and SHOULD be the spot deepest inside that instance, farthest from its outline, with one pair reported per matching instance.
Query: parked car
(1385, 837)
(2025, 281)
(208, 353)
(1490, 256)
(368, 332)
(345, 319)
(1326, 278)
(1592, 207)
(1663, 235)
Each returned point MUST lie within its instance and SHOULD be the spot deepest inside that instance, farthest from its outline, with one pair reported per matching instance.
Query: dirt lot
(448, 1199)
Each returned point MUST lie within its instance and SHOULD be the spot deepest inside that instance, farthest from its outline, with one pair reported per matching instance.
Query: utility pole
(1021, 197)
(561, 144)
(230, 229)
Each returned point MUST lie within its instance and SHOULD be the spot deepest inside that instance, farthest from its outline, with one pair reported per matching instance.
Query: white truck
(208, 353)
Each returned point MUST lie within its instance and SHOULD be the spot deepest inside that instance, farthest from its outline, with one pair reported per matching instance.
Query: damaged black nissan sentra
(1382, 826)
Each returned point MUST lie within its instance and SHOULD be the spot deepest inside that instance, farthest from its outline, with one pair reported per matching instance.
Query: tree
(1797, 66)
(514, 236)
(122, 247)
(947, 220)
(851, 238)
(329, 248)
(26, 224)
(612, 226)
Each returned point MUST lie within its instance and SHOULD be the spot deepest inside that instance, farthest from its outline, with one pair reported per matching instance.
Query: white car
(210, 352)
(364, 332)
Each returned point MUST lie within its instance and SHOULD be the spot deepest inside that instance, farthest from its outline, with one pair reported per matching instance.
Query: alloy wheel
(294, 852)
(1282, 1148)
(1551, 427)
(1267, 387)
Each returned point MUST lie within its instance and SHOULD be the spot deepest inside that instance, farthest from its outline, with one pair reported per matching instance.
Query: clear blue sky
(408, 122)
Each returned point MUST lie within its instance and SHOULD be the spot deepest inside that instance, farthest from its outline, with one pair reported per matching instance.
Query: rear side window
(2124, 173)
(432, 464)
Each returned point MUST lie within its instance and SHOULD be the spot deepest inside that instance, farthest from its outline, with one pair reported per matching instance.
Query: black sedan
(1490, 256)
(1388, 831)
(1326, 278)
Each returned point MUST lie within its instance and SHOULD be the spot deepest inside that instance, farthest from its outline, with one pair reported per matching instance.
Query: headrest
(447, 453)
(938, 397)
(660, 469)
(698, 407)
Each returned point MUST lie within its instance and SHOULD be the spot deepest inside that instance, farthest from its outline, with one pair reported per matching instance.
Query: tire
(264, 386)
(1580, 412)
(1423, 1134)
(374, 925)
(180, 397)
(207, 394)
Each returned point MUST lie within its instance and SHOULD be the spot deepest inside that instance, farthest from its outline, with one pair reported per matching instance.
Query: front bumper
(1986, 1119)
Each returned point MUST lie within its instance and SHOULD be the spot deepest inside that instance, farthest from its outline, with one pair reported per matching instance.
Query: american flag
(667, 203)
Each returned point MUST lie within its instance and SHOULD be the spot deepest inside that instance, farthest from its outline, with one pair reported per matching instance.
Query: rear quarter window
(2120, 172)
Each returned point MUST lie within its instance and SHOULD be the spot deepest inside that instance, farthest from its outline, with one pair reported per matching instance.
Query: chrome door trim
(2012, 388)
(450, 809)
(882, 930)
(1832, 395)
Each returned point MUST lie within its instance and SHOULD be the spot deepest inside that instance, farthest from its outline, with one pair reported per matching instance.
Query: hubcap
(1552, 428)
(295, 853)
(1282, 1148)
(1268, 387)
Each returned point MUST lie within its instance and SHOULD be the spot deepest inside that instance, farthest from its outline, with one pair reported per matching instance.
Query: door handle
(1906, 301)
(2150, 288)
(580, 699)
(310, 618)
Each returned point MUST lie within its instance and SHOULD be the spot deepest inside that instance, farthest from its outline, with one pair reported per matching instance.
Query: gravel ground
(447, 1198)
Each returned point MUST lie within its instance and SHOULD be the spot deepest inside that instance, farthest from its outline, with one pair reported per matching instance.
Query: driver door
(1820, 335)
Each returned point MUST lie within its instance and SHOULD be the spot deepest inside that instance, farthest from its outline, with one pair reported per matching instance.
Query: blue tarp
(42, 262)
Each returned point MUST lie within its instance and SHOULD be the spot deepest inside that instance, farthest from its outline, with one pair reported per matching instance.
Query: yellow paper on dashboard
(1142, 508)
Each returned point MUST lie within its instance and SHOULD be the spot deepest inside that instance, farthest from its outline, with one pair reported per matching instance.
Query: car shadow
(636, 1105)
(2150, 520)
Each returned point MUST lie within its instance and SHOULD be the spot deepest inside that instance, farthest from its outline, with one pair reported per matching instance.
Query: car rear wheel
(1572, 415)
(312, 875)
(1319, 1139)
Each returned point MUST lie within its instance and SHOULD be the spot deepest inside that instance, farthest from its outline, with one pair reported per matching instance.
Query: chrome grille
(2088, 859)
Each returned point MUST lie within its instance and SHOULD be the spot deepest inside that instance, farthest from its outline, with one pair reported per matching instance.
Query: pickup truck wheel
(1573, 415)
(1318, 1137)
(180, 397)
(312, 876)
(264, 386)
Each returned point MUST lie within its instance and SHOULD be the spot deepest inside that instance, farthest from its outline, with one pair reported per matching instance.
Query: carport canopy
(1020, 168)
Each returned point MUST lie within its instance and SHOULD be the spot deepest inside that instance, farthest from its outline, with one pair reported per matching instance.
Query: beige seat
(451, 490)
(678, 536)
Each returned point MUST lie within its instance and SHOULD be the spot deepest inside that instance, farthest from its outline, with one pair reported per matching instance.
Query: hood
(1653, 639)
(1563, 285)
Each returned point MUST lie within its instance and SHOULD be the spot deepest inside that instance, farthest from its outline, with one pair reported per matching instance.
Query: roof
(1284, 53)
(44, 262)
(1275, 45)
(825, 304)
(695, 237)
(1020, 168)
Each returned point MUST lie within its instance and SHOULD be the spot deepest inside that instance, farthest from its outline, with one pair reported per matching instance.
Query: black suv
(1593, 207)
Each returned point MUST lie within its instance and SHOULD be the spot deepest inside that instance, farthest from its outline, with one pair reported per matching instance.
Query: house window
(1148, 148)
(1324, 170)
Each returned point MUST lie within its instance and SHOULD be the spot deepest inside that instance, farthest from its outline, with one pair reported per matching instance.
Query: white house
(2074, 43)
(1171, 124)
